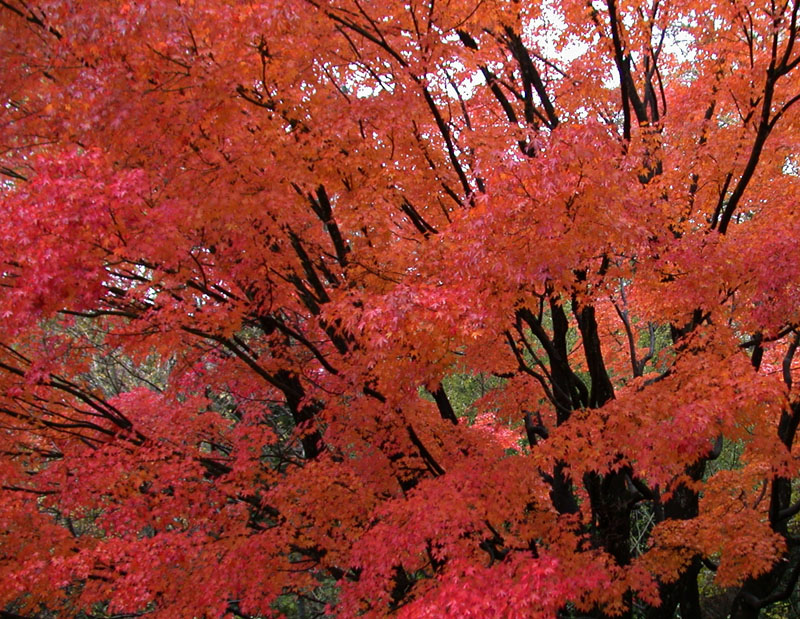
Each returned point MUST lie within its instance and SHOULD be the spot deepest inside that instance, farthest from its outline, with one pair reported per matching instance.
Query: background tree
(290, 224)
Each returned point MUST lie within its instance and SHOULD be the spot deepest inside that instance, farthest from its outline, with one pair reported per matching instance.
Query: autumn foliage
(477, 308)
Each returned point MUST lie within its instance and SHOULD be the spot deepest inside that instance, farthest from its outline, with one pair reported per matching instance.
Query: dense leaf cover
(252, 249)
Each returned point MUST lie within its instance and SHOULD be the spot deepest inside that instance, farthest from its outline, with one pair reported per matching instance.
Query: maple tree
(477, 308)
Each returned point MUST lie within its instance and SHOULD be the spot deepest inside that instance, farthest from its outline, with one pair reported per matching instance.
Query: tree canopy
(472, 307)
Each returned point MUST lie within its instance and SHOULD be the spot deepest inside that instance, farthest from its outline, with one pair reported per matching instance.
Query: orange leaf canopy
(480, 308)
